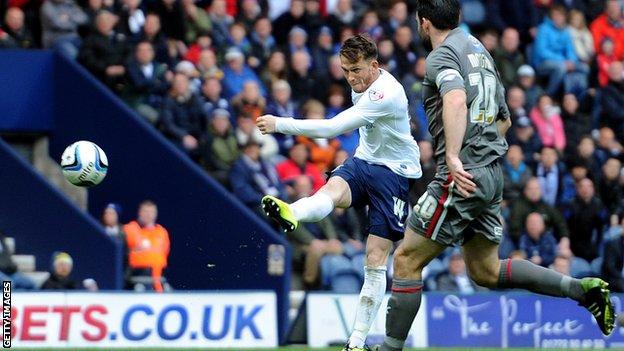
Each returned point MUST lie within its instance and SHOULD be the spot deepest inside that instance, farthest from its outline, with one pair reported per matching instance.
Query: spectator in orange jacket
(148, 244)
(322, 151)
(610, 25)
(298, 164)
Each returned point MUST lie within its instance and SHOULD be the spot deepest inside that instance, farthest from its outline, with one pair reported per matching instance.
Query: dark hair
(549, 147)
(260, 18)
(147, 203)
(558, 8)
(489, 31)
(335, 89)
(443, 14)
(359, 46)
(143, 42)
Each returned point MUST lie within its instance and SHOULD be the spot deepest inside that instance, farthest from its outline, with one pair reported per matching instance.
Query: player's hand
(334, 246)
(357, 245)
(462, 179)
(189, 142)
(116, 70)
(563, 248)
(266, 124)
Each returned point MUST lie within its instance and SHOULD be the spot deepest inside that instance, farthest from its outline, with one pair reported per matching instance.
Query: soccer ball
(84, 163)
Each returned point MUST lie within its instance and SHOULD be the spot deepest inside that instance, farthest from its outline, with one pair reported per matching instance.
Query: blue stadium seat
(596, 265)
(338, 274)
(357, 262)
(346, 283)
(433, 268)
(579, 267)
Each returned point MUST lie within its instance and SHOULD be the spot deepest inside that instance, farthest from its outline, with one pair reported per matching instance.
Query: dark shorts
(385, 192)
(442, 214)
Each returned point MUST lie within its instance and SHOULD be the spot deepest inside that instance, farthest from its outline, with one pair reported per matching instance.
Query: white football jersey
(386, 139)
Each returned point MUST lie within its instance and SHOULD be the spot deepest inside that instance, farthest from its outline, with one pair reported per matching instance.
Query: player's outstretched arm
(345, 121)
(454, 111)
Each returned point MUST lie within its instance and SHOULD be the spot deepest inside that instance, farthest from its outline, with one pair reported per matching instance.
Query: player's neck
(438, 37)
(376, 75)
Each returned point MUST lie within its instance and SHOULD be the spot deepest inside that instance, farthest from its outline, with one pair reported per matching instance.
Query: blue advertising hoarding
(514, 320)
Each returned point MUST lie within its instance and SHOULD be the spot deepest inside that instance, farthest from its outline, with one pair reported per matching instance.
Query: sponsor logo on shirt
(375, 95)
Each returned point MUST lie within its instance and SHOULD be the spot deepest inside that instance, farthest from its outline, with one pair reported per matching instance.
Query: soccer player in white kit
(377, 175)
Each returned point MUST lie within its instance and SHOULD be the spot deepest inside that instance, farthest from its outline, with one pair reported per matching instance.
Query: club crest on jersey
(476, 43)
(375, 95)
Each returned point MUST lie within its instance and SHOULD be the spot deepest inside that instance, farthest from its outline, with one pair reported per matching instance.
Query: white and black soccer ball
(84, 163)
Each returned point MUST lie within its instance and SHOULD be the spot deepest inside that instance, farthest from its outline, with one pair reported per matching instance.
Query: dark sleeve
(356, 229)
(241, 185)
(601, 219)
(611, 270)
(534, 15)
(90, 58)
(612, 104)
(328, 228)
(493, 14)
(7, 266)
(548, 250)
(168, 123)
(138, 80)
(444, 69)
(210, 158)
(342, 235)
(558, 223)
(518, 215)
(48, 285)
(503, 109)
(300, 236)
(523, 245)
(281, 188)
(160, 84)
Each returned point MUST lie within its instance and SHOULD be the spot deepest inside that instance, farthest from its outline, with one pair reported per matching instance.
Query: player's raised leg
(412, 255)
(373, 290)
(487, 270)
(336, 193)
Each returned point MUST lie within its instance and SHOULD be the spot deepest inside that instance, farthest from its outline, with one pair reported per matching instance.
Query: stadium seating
(45, 221)
(339, 275)
(197, 211)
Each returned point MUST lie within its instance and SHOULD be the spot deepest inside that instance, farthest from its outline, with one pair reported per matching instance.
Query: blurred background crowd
(202, 71)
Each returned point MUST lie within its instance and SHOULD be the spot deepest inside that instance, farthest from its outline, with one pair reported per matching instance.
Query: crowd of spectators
(145, 252)
(202, 71)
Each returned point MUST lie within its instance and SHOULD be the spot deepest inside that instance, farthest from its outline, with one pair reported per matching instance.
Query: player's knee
(376, 257)
(338, 190)
(483, 275)
(406, 264)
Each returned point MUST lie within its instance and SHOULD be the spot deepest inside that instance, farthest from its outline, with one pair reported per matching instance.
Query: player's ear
(375, 64)
(425, 24)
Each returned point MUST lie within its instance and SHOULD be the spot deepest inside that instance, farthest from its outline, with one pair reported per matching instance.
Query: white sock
(372, 293)
(313, 208)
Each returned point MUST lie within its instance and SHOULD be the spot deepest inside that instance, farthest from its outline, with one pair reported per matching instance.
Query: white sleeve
(348, 120)
(367, 110)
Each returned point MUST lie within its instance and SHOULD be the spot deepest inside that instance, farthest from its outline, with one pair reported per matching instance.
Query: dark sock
(402, 308)
(522, 274)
